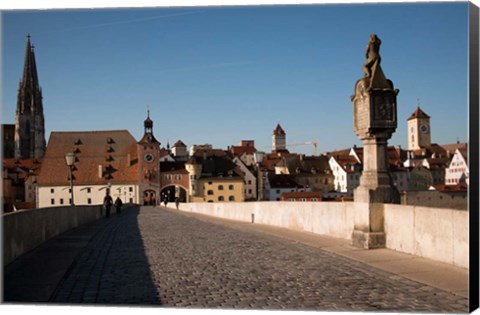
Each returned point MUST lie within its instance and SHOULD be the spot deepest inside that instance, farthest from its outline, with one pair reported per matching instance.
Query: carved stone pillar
(375, 120)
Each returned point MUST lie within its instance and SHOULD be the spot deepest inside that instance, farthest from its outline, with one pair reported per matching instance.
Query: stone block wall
(27, 229)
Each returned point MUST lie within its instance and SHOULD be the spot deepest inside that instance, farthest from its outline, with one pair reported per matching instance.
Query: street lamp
(258, 157)
(70, 161)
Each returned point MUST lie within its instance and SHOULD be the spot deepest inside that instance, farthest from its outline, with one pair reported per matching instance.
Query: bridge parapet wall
(434, 233)
(25, 230)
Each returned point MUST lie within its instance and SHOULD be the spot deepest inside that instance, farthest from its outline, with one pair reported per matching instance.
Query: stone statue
(372, 54)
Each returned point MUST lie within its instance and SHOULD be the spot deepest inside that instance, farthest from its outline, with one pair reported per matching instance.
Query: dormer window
(78, 142)
(110, 141)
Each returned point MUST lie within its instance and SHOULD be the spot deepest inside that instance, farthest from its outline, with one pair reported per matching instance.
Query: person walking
(177, 202)
(107, 203)
(118, 205)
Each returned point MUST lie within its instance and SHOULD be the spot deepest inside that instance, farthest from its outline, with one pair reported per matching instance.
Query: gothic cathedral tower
(418, 130)
(148, 149)
(29, 120)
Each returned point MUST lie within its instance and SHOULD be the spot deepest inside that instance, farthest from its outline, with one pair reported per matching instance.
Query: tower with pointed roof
(148, 149)
(419, 135)
(279, 139)
(29, 120)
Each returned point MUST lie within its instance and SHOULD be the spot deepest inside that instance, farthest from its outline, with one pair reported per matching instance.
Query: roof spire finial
(418, 102)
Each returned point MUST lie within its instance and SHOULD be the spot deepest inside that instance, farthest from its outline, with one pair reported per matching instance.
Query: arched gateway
(171, 192)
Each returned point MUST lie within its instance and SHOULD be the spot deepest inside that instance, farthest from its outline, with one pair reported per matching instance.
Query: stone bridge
(168, 258)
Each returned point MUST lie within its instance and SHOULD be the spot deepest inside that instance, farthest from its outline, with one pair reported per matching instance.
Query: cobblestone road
(160, 257)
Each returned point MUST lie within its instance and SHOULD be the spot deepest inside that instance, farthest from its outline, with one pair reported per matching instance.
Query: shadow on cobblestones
(112, 269)
(152, 256)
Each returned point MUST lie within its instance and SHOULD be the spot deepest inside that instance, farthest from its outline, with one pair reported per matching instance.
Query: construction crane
(313, 143)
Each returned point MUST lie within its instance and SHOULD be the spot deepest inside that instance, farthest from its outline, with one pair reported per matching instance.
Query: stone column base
(368, 240)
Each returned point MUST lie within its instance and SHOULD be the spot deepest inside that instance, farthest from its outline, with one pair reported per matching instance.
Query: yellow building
(221, 189)
(213, 177)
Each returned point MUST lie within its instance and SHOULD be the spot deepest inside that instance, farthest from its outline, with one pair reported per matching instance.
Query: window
(278, 191)
(249, 182)
(230, 187)
(249, 191)
(52, 190)
(89, 190)
(89, 201)
(220, 187)
(61, 201)
(231, 198)
(167, 177)
(220, 198)
(70, 200)
(130, 189)
(209, 183)
(178, 177)
(210, 192)
(131, 200)
(52, 201)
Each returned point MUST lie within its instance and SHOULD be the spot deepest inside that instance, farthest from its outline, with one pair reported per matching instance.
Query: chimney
(129, 160)
(100, 171)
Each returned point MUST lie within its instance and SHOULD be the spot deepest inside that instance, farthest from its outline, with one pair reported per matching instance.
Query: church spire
(30, 77)
(29, 122)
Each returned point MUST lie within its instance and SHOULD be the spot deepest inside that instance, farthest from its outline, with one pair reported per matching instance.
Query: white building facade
(457, 171)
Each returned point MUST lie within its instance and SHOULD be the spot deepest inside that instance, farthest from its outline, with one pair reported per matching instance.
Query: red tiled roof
(239, 150)
(115, 151)
(29, 164)
(270, 160)
(279, 131)
(418, 113)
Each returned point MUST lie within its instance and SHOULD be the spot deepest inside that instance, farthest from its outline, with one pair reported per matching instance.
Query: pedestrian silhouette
(107, 203)
(118, 205)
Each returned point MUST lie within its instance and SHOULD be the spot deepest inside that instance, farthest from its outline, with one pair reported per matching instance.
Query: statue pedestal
(376, 184)
(368, 230)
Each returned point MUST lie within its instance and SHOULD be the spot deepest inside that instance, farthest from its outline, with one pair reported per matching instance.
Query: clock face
(149, 157)
(423, 128)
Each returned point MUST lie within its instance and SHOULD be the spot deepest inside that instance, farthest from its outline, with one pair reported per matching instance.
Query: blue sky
(222, 74)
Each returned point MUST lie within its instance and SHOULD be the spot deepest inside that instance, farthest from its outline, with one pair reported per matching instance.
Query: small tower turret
(419, 135)
(279, 139)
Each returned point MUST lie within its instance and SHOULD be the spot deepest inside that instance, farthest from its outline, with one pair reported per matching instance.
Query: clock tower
(418, 130)
(148, 150)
